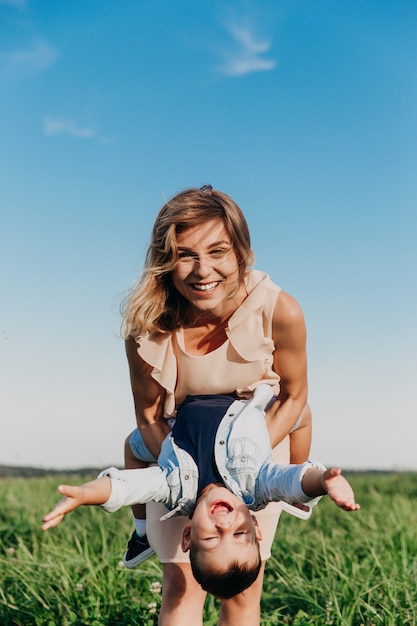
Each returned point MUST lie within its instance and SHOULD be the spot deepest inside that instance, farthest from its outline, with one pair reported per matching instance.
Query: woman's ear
(186, 539)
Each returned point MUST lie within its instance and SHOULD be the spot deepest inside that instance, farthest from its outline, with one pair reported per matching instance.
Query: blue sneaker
(138, 550)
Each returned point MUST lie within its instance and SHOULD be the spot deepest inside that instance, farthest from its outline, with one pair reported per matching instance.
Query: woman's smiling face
(207, 270)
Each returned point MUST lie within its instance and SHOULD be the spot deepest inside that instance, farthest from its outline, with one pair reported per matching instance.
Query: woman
(200, 321)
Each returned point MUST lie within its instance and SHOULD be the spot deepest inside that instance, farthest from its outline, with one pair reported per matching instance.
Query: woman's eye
(218, 254)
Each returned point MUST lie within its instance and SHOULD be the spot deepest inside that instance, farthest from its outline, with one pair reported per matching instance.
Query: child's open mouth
(220, 507)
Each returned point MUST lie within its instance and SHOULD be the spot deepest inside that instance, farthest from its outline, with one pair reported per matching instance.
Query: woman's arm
(148, 397)
(290, 363)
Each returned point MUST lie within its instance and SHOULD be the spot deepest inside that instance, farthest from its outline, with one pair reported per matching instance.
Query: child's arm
(318, 482)
(94, 492)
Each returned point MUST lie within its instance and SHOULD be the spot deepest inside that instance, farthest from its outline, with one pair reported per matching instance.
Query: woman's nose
(202, 267)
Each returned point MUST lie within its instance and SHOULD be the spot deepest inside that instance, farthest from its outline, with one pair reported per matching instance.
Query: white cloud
(54, 126)
(245, 57)
(71, 128)
(34, 59)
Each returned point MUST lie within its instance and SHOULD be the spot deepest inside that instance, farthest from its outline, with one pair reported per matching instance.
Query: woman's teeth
(205, 287)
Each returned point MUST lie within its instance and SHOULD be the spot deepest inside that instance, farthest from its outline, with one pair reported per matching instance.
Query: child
(139, 550)
(215, 490)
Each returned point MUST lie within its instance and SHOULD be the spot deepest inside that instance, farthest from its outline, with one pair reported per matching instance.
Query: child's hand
(74, 497)
(339, 489)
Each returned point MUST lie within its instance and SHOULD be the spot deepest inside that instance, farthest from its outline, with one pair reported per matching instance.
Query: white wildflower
(152, 607)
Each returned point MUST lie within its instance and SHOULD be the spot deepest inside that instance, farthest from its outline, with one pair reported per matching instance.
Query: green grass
(357, 569)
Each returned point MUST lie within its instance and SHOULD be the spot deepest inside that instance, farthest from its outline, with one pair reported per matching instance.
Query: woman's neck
(218, 317)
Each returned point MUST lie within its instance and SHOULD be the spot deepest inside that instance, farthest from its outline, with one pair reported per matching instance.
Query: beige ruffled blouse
(243, 361)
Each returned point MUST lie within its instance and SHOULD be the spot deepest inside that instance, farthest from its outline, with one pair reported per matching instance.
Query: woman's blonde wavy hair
(154, 304)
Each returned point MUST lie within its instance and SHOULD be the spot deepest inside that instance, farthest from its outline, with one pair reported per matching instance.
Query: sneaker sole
(293, 510)
(137, 560)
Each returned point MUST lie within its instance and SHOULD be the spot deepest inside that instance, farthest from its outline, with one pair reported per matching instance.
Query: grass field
(338, 568)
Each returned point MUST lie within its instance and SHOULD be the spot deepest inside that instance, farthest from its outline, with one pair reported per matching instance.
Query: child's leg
(300, 438)
(137, 456)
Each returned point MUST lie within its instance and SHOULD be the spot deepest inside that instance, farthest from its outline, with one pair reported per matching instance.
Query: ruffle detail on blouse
(245, 329)
(157, 350)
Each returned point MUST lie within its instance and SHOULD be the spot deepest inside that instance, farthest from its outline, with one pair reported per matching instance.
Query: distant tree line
(11, 471)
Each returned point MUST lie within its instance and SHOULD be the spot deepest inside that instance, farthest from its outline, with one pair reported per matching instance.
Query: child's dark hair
(228, 583)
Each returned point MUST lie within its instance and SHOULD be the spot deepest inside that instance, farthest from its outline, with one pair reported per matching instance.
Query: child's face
(222, 530)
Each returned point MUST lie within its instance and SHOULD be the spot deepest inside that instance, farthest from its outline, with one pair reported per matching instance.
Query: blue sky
(305, 112)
